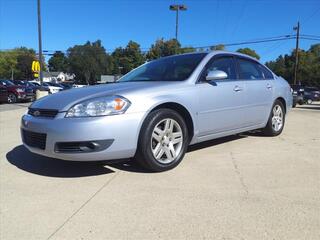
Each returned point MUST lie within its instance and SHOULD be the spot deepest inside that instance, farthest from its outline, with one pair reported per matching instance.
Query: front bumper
(123, 129)
(25, 96)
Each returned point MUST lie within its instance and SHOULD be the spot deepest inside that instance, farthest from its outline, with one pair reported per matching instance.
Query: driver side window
(225, 64)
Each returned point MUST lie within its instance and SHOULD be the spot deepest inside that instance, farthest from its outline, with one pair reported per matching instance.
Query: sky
(66, 23)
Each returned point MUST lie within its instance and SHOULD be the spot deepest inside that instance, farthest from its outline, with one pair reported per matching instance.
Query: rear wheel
(309, 101)
(12, 98)
(276, 120)
(163, 140)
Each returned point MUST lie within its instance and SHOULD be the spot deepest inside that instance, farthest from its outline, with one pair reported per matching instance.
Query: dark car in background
(297, 97)
(66, 86)
(3, 94)
(27, 84)
(311, 94)
(297, 94)
(17, 93)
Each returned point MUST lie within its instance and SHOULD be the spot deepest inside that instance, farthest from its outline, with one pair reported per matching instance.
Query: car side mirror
(216, 75)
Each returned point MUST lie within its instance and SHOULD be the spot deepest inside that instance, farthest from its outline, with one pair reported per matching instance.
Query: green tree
(128, 58)
(187, 50)
(162, 48)
(89, 61)
(17, 61)
(249, 51)
(8, 62)
(309, 66)
(58, 62)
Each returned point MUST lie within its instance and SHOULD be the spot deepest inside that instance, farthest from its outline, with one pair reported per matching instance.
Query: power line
(49, 52)
(312, 39)
(307, 35)
(251, 42)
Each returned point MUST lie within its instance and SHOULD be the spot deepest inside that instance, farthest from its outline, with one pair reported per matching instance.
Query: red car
(17, 93)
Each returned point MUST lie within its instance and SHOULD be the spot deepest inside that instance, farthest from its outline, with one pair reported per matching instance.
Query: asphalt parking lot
(240, 187)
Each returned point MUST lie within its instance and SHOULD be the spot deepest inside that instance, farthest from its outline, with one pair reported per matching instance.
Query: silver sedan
(156, 111)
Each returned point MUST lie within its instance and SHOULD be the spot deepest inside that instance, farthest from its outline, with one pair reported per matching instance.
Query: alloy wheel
(166, 141)
(12, 98)
(277, 118)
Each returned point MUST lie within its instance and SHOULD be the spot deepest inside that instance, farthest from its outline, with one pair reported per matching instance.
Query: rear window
(267, 74)
(249, 70)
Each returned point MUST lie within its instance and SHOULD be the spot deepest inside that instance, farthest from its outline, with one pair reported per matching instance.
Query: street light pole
(40, 42)
(176, 8)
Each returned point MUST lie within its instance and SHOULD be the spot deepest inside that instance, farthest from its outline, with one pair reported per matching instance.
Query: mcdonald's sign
(35, 66)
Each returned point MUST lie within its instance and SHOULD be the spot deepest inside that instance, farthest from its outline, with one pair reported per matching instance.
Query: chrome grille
(48, 113)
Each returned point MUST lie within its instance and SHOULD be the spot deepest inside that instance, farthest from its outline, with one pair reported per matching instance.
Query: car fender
(156, 101)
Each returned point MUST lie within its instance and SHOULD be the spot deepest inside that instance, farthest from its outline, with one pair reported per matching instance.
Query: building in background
(107, 79)
(57, 77)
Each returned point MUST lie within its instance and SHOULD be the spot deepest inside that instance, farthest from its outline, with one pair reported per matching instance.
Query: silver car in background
(156, 111)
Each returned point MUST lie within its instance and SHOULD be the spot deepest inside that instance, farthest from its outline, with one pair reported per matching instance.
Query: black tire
(309, 101)
(270, 130)
(144, 156)
(12, 98)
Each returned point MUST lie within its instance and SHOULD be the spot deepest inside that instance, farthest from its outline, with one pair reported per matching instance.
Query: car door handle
(237, 89)
(269, 86)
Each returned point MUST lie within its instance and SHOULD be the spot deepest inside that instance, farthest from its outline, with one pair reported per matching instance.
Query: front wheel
(12, 98)
(309, 101)
(276, 120)
(163, 140)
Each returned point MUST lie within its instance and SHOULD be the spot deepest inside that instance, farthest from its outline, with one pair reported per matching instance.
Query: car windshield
(174, 68)
(35, 84)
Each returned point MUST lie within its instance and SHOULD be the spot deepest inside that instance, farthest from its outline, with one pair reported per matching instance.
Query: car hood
(62, 101)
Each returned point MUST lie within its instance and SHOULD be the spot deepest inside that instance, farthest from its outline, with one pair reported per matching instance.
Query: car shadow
(23, 159)
(214, 142)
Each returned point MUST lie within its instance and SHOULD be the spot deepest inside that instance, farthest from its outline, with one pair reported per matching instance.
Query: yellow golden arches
(35, 66)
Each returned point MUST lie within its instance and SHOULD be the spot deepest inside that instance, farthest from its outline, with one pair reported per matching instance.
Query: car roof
(216, 52)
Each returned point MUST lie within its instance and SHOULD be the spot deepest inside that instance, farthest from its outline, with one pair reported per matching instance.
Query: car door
(259, 85)
(220, 102)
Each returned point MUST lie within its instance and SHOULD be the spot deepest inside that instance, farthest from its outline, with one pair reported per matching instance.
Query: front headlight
(102, 106)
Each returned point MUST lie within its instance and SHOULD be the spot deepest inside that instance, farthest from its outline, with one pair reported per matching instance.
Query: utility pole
(297, 28)
(176, 8)
(40, 43)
